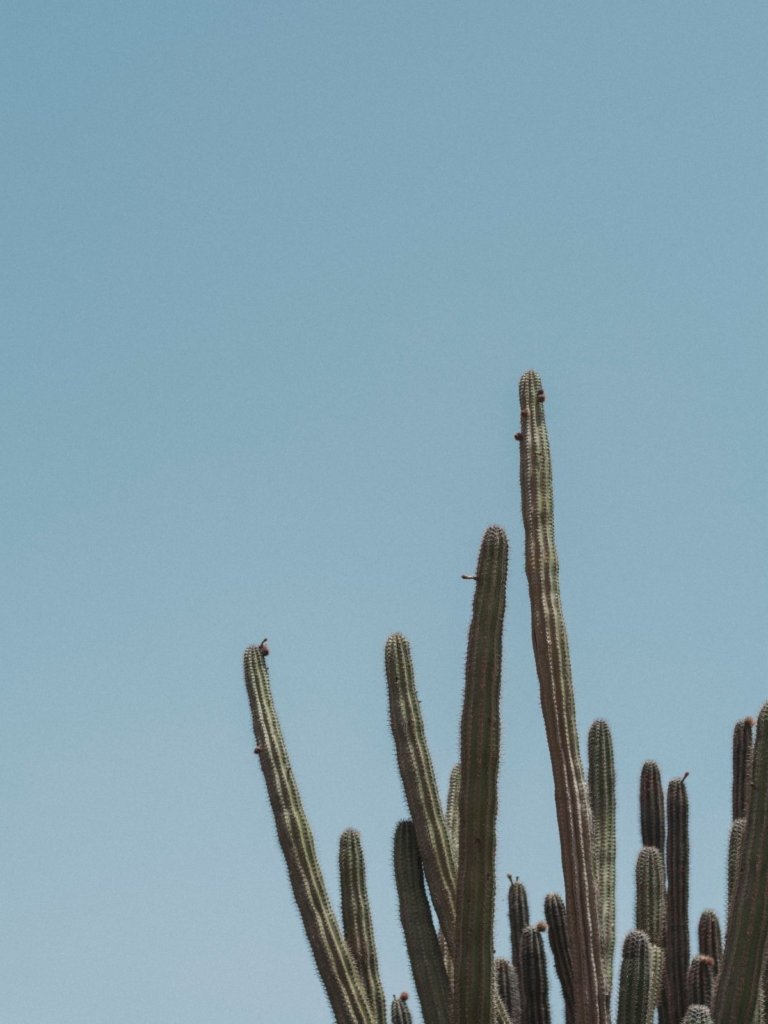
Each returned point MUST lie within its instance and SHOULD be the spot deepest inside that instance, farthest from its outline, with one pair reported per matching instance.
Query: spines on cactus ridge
(356, 919)
(635, 979)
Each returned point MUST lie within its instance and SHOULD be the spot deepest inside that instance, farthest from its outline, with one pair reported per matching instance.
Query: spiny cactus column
(557, 930)
(399, 1012)
(550, 643)
(635, 979)
(738, 986)
(418, 777)
(424, 952)
(335, 964)
(508, 987)
(533, 979)
(651, 806)
(356, 918)
(480, 739)
(710, 939)
(676, 936)
(601, 780)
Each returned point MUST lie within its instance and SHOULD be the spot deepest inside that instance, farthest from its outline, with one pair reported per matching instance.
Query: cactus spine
(550, 643)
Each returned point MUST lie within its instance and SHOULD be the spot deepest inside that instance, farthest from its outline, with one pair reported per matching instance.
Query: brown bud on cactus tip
(541, 926)
(263, 649)
(257, 750)
(518, 437)
(709, 960)
(749, 721)
(403, 997)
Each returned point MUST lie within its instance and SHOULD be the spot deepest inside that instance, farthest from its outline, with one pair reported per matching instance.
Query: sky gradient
(271, 273)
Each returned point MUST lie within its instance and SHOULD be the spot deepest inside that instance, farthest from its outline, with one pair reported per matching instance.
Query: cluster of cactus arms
(444, 854)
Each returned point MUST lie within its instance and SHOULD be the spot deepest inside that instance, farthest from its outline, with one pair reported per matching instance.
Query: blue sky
(271, 273)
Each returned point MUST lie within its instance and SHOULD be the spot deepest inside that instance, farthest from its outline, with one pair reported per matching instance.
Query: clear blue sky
(270, 275)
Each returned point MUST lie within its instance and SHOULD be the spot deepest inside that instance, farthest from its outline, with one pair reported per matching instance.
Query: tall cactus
(601, 779)
(356, 919)
(550, 644)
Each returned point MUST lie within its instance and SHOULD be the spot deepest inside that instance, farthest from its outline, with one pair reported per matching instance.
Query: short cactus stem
(550, 642)
(508, 987)
(399, 1012)
(710, 938)
(533, 978)
(699, 981)
(697, 1015)
(634, 979)
(651, 806)
(557, 929)
(517, 901)
(742, 756)
(650, 895)
(452, 809)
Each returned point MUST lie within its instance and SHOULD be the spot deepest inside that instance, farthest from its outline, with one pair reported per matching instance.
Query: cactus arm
(676, 936)
(508, 987)
(478, 797)
(557, 930)
(533, 980)
(651, 806)
(738, 987)
(649, 894)
(550, 644)
(634, 979)
(697, 1015)
(699, 981)
(334, 961)
(419, 783)
(426, 959)
(601, 779)
(452, 809)
(356, 919)
(742, 755)
(710, 938)
(399, 1012)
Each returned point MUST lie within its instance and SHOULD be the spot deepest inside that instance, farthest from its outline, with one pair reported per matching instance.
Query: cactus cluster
(444, 855)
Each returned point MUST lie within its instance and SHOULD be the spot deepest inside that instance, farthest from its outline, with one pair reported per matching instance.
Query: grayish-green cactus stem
(601, 779)
(335, 963)
(742, 756)
(533, 979)
(635, 979)
(677, 947)
(651, 806)
(473, 969)
(700, 980)
(452, 809)
(735, 837)
(710, 938)
(418, 776)
(508, 988)
(738, 986)
(427, 965)
(517, 902)
(557, 930)
(550, 644)
(649, 894)
(657, 981)
(697, 1015)
(356, 919)
(399, 1013)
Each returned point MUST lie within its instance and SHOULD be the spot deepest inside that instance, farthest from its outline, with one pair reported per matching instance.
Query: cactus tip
(263, 648)
(541, 926)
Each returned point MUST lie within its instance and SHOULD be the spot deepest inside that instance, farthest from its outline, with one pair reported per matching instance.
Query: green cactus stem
(601, 780)
(635, 979)
(557, 930)
(356, 919)
(676, 936)
(335, 963)
(742, 756)
(427, 965)
(649, 894)
(452, 809)
(739, 980)
(710, 938)
(419, 783)
(533, 979)
(651, 806)
(735, 839)
(508, 987)
(550, 643)
(700, 980)
(399, 1012)
(519, 918)
(480, 744)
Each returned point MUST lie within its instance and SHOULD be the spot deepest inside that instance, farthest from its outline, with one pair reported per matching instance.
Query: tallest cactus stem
(550, 644)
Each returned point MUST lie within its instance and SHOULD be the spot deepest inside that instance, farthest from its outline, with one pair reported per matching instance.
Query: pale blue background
(270, 273)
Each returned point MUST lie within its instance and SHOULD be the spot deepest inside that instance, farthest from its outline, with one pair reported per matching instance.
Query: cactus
(444, 857)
